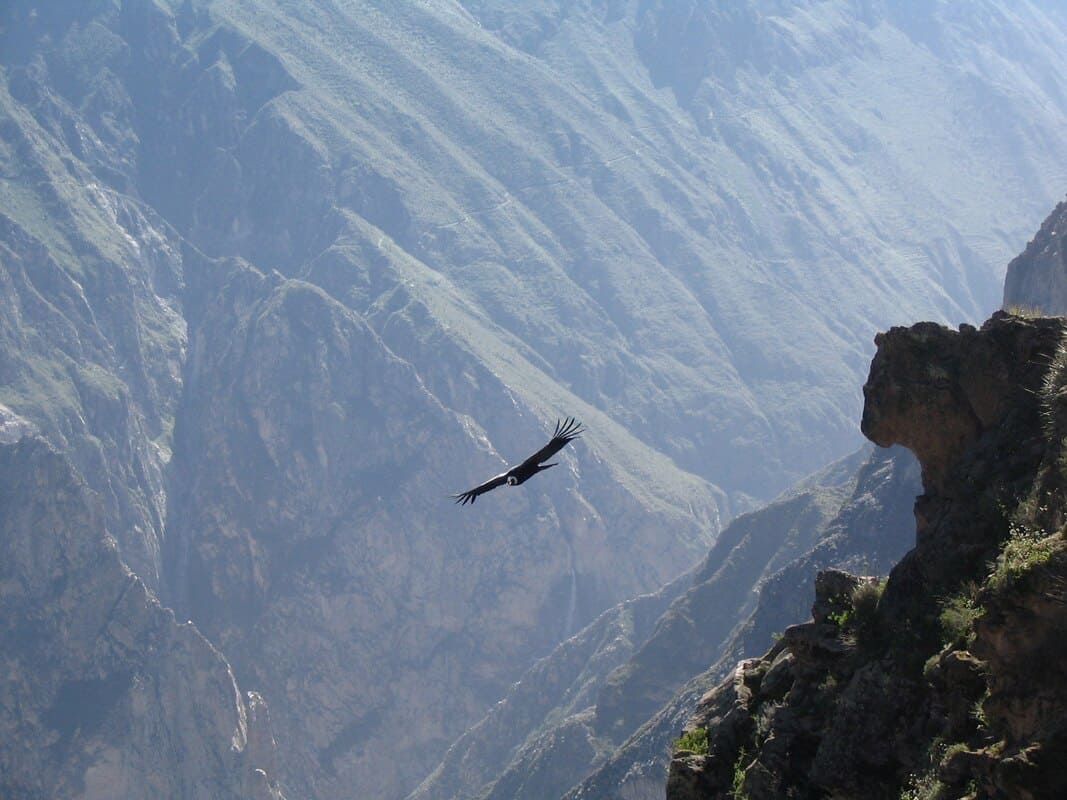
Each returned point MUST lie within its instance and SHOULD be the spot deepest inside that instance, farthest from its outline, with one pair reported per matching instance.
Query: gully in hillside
(565, 431)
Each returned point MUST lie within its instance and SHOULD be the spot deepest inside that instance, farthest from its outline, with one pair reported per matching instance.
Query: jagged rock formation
(102, 692)
(948, 683)
(1037, 278)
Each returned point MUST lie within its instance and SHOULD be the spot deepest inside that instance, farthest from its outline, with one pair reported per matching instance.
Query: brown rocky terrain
(948, 680)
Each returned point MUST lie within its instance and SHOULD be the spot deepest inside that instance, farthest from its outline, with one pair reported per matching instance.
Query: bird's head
(512, 480)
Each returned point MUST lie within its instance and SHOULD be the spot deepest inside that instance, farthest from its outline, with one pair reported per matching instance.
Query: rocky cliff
(1037, 277)
(946, 680)
(103, 693)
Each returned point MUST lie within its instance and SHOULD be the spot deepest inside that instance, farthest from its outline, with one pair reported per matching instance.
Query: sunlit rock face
(937, 391)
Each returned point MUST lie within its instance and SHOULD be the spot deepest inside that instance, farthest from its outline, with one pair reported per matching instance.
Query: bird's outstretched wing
(565, 431)
(471, 495)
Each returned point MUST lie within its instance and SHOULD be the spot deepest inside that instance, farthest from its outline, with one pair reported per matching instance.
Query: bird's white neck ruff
(513, 481)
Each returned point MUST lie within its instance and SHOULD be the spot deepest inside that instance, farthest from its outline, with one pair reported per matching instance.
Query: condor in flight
(565, 431)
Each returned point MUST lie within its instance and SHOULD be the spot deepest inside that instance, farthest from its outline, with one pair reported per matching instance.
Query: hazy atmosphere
(280, 279)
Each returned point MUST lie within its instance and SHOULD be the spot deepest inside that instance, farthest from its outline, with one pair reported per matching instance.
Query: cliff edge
(949, 679)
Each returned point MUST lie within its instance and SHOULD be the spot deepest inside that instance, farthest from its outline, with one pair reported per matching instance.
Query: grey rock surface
(103, 693)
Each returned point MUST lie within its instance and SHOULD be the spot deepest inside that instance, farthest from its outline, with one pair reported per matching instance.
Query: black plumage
(565, 431)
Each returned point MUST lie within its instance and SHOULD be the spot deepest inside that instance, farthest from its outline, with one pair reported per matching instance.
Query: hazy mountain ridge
(206, 92)
(505, 227)
(209, 90)
(752, 78)
(328, 581)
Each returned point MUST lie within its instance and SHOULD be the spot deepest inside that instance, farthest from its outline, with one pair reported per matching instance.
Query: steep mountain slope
(869, 532)
(102, 692)
(946, 681)
(265, 263)
(296, 429)
(1037, 277)
(782, 138)
(365, 629)
(541, 732)
(724, 591)
(91, 335)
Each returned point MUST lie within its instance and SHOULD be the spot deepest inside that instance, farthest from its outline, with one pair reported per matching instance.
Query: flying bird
(565, 431)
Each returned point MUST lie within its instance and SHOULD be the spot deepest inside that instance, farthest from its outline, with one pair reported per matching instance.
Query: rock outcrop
(948, 680)
(102, 692)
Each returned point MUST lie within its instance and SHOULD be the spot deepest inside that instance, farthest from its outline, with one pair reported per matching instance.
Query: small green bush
(865, 600)
(865, 597)
(957, 617)
(922, 787)
(694, 741)
(737, 788)
(1026, 549)
(840, 618)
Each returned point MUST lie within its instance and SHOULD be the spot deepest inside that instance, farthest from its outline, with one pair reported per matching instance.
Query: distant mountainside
(867, 535)
(595, 718)
(279, 277)
(1037, 277)
(103, 692)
